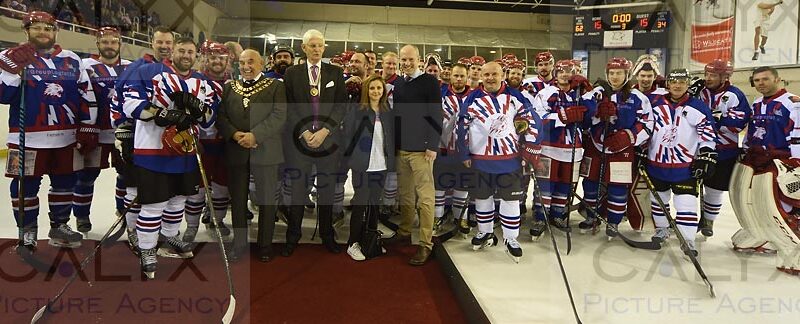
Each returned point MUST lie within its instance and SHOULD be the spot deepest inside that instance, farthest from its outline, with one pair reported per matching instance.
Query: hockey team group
(639, 129)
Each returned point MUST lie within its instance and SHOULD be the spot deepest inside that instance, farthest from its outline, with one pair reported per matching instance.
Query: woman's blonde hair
(364, 103)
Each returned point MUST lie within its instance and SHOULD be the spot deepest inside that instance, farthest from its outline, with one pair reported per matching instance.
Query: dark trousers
(298, 171)
(266, 180)
(368, 187)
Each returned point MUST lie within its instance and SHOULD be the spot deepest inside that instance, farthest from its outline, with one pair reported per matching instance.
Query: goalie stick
(652, 245)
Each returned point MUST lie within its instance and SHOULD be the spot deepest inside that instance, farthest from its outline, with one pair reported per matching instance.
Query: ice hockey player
(564, 115)
(682, 151)
(544, 63)
(621, 124)
(167, 100)
(475, 64)
(216, 59)
(731, 111)
(103, 69)
(649, 80)
(489, 144)
(59, 109)
(448, 171)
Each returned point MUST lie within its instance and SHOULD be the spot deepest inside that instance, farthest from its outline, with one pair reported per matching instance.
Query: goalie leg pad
(751, 236)
(779, 225)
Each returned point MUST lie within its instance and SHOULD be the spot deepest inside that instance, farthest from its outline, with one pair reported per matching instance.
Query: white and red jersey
(104, 77)
(210, 132)
(152, 86)
(775, 124)
(680, 129)
(486, 131)
(633, 116)
(451, 104)
(731, 111)
(58, 98)
(531, 86)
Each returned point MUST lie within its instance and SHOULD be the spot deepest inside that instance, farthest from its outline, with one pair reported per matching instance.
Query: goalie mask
(647, 62)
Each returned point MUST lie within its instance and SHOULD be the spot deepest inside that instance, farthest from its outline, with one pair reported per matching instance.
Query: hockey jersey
(103, 78)
(212, 141)
(634, 115)
(151, 85)
(58, 98)
(274, 75)
(731, 112)
(451, 105)
(680, 129)
(775, 124)
(531, 86)
(129, 74)
(486, 132)
(556, 137)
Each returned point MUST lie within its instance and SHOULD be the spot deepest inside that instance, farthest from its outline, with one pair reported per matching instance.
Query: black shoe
(288, 249)
(264, 254)
(332, 246)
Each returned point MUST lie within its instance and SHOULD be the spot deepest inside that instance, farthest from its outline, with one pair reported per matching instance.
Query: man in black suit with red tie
(316, 97)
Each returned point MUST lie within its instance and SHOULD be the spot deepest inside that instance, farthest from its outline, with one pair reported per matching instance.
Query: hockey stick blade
(674, 226)
(652, 245)
(32, 261)
(115, 237)
(228, 317)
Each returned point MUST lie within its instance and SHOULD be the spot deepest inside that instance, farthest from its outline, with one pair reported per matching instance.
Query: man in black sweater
(418, 126)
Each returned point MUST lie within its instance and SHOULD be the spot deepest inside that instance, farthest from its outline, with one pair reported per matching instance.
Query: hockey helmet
(477, 60)
(721, 67)
(647, 62)
(563, 65)
(38, 16)
(108, 31)
(678, 74)
(544, 57)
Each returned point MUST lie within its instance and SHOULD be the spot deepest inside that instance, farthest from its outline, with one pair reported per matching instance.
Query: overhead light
(437, 50)
(380, 47)
(326, 45)
(492, 52)
(356, 46)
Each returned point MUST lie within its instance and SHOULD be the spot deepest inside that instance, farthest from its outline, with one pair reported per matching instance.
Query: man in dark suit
(317, 99)
(251, 120)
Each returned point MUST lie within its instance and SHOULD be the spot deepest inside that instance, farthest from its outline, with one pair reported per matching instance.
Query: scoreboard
(619, 29)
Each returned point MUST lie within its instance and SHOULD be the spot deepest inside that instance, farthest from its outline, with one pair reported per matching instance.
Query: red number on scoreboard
(644, 22)
(598, 25)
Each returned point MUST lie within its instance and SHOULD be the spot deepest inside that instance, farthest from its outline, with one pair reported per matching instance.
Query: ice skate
(28, 240)
(133, 241)
(463, 227)
(190, 234)
(589, 225)
(612, 231)
(439, 226)
(661, 235)
(513, 249)
(690, 249)
(537, 228)
(706, 227)
(63, 236)
(561, 224)
(148, 263)
(84, 225)
(482, 240)
(173, 247)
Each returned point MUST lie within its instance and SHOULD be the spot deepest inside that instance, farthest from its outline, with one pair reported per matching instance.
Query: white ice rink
(611, 282)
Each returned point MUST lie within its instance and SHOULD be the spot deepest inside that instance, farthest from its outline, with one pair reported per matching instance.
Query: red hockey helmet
(108, 31)
(337, 59)
(217, 48)
(464, 61)
(563, 65)
(721, 67)
(477, 60)
(38, 16)
(544, 57)
(618, 63)
(517, 64)
(510, 57)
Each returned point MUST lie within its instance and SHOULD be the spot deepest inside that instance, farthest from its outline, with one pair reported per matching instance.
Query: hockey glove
(173, 117)
(606, 110)
(579, 82)
(696, 86)
(759, 158)
(572, 114)
(123, 141)
(703, 164)
(190, 104)
(15, 59)
(87, 138)
(530, 153)
(619, 140)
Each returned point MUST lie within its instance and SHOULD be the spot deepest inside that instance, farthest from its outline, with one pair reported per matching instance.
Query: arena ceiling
(536, 6)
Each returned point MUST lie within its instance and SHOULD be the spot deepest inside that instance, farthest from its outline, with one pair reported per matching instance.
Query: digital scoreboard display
(598, 29)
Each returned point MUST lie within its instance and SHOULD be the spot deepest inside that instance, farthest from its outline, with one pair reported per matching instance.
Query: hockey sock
(590, 193)
(559, 202)
(712, 203)
(686, 217)
(148, 224)
(459, 202)
(509, 218)
(119, 196)
(32, 185)
(617, 203)
(173, 214)
(84, 191)
(59, 199)
(547, 196)
(194, 207)
(390, 189)
(484, 211)
(438, 209)
(658, 215)
(221, 198)
(133, 212)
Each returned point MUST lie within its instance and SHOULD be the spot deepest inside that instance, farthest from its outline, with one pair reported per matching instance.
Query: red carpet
(311, 286)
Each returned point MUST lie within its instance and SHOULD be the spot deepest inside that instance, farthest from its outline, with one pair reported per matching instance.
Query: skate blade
(167, 253)
(536, 238)
(64, 244)
(149, 275)
(513, 258)
(586, 231)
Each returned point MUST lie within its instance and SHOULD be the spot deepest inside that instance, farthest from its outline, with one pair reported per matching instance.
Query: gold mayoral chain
(247, 92)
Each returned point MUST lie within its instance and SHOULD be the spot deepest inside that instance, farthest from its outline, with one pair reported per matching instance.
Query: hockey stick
(652, 245)
(607, 89)
(537, 192)
(115, 237)
(24, 253)
(107, 237)
(228, 316)
(674, 225)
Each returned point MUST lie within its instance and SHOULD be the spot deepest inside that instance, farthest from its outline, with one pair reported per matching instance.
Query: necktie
(408, 78)
(315, 99)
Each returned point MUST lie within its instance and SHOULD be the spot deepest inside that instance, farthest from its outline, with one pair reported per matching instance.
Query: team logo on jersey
(760, 132)
(499, 126)
(53, 90)
(669, 139)
(778, 112)
(725, 99)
